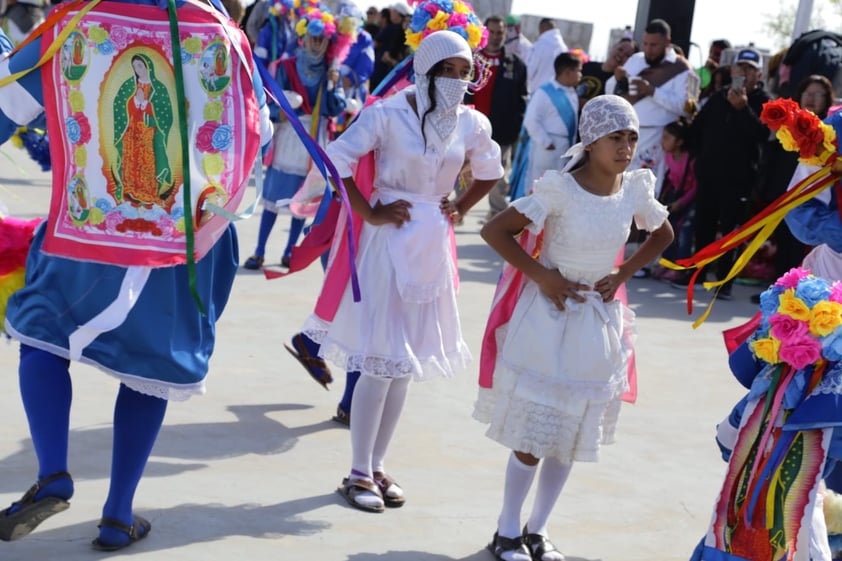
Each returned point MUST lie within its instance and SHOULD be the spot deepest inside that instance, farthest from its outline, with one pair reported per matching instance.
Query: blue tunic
(163, 346)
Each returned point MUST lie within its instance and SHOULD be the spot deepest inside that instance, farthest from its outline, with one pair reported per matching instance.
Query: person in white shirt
(551, 118)
(539, 60)
(661, 86)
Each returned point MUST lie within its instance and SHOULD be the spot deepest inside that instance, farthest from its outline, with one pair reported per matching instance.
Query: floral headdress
(282, 7)
(436, 15)
(317, 23)
(800, 130)
(801, 321)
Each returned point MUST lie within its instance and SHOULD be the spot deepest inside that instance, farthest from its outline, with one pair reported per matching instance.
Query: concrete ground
(249, 471)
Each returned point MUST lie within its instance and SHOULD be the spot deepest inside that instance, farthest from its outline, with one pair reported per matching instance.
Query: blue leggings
(267, 222)
(46, 391)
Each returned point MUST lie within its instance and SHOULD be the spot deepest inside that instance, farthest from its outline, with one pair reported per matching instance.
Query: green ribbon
(185, 154)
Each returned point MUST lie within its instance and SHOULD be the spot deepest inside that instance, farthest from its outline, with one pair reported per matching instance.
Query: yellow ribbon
(763, 229)
(54, 47)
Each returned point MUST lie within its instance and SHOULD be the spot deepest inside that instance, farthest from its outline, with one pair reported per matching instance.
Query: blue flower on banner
(222, 138)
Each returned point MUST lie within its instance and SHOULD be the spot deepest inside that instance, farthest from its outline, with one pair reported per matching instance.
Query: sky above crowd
(739, 21)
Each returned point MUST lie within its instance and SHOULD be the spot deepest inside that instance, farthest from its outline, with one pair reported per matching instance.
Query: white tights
(378, 403)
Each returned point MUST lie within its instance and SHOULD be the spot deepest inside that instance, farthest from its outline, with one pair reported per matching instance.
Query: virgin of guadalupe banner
(118, 189)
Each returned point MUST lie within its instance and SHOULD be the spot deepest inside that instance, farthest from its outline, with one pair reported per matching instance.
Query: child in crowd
(550, 120)
(677, 194)
(555, 390)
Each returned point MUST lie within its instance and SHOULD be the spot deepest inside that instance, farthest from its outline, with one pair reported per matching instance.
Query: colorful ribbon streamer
(320, 160)
(758, 229)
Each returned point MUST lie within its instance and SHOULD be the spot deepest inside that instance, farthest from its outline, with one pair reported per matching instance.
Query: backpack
(813, 52)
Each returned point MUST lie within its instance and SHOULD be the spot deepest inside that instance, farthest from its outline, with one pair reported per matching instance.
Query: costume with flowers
(781, 437)
(117, 275)
(321, 47)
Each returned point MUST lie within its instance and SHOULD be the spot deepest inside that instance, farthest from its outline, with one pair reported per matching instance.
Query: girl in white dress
(407, 323)
(561, 369)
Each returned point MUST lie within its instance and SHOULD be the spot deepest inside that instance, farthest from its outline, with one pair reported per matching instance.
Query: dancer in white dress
(561, 369)
(407, 324)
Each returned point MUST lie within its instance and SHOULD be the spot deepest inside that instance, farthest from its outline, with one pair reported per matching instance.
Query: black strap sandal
(501, 545)
(539, 545)
(30, 513)
(136, 532)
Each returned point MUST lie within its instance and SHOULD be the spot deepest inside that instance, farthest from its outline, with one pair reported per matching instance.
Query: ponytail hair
(431, 94)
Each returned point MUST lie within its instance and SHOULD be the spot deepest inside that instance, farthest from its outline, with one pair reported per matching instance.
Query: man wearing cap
(539, 61)
(661, 86)
(727, 135)
(516, 43)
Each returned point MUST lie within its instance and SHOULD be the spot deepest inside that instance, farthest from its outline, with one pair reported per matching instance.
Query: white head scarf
(601, 115)
(434, 48)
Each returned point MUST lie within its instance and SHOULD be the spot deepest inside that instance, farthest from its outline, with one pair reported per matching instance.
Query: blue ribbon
(324, 165)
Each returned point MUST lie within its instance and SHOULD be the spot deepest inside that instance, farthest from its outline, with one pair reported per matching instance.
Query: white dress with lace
(559, 376)
(407, 323)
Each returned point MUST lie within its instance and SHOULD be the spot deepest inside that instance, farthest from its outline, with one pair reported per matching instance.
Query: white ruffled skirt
(407, 323)
(559, 377)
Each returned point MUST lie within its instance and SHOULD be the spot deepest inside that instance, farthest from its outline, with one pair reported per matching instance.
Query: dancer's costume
(783, 436)
(136, 260)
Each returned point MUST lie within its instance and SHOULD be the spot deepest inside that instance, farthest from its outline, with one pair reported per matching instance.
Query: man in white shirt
(661, 86)
(551, 118)
(539, 61)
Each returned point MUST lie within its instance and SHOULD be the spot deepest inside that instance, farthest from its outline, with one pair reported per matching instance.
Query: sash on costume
(520, 162)
(110, 94)
(565, 110)
(765, 507)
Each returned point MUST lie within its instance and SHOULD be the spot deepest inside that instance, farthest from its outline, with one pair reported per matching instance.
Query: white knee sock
(550, 483)
(519, 478)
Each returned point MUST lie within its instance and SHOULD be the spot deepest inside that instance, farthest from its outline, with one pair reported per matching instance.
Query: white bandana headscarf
(449, 92)
(601, 115)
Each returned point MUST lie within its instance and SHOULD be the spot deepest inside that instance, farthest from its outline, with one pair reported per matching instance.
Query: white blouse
(391, 128)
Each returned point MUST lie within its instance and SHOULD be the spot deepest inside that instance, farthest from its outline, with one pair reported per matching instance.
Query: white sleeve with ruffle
(649, 214)
(484, 153)
(363, 136)
(548, 198)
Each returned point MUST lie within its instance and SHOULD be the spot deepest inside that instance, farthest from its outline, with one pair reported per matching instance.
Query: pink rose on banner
(791, 278)
(204, 138)
(119, 37)
(84, 128)
(166, 226)
(800, 352)
(112, 220)
(785, 327)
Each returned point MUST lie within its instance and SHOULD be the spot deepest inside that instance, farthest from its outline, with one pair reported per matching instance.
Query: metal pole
(802, 18)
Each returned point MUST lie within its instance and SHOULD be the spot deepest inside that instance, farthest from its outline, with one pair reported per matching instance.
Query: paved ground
(249, 471)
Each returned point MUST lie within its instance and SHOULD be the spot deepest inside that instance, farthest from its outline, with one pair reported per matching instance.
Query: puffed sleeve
(363, 136)
(649, 214)
(21, 101)
(483, 153)
(548, 198)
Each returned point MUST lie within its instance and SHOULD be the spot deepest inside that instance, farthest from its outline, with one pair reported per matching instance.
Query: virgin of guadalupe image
(143, 117)
(213, 69)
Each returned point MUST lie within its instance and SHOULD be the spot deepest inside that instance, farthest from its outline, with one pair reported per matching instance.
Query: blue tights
(46, 391)
(350, 383)
(267, 222)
